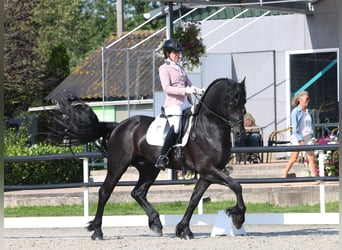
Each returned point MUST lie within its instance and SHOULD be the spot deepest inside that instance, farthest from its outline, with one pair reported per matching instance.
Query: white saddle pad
(158, 129)
(156, 132)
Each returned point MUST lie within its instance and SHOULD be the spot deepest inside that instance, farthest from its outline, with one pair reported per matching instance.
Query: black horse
(218, 113)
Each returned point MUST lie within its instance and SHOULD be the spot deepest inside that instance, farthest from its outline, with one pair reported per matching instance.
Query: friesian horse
(218, 113)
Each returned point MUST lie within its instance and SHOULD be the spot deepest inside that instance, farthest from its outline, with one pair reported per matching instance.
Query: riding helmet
(172, 45)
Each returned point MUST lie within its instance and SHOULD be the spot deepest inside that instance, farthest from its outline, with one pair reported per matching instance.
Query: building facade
(279, 56)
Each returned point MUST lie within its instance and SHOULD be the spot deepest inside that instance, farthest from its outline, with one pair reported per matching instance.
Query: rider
(178, 89)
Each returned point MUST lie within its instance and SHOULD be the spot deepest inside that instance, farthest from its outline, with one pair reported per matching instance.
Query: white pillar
(169, 21)
(339, 29)
(119, 18)
(86, 189)
(322, 184)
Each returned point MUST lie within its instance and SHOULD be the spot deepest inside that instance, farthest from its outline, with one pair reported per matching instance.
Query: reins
(229, 122)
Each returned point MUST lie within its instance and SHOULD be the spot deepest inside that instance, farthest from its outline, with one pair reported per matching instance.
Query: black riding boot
(163, 159)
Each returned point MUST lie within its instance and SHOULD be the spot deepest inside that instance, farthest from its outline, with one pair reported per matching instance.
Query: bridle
(230, 123)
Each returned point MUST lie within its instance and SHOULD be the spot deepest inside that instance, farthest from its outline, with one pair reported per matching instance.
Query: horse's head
(226, 99)
(236, 107)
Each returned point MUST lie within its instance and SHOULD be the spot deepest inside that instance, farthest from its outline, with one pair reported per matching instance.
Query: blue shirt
(297, 116)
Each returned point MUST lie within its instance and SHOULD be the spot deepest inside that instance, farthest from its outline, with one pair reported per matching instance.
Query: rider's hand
(190, 90)
(200, 91)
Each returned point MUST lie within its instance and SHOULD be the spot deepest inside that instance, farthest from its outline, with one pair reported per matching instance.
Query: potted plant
(188, 34)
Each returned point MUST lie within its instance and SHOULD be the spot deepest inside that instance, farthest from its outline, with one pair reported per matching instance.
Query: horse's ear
(243, 82)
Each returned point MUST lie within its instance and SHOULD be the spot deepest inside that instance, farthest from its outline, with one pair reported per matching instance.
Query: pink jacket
(173, 79)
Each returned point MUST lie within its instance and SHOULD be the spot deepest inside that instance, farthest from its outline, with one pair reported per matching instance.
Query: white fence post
(86, 188)
(200, 206)
(322, 184)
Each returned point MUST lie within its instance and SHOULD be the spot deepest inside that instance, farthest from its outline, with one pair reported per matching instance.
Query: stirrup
(162, 162)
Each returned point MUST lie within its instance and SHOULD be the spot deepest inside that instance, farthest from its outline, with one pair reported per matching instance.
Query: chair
(255, 157)
(277, 137)
(335, 132)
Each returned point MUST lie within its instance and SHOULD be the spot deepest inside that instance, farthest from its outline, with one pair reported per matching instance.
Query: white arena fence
(200, 219)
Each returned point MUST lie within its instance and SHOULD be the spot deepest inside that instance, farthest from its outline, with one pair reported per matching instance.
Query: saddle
(158, 129)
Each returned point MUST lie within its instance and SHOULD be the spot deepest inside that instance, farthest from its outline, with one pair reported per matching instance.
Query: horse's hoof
(237, 216)
(157, 230)
(183, 235)
(97, 236)
(187, 237)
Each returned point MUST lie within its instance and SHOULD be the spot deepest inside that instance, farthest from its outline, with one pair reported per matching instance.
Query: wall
(258, 52)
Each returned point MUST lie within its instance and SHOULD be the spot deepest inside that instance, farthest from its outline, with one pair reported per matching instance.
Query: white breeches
(174, 114)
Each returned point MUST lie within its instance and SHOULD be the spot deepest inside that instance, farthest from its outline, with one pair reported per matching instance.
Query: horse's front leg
(104, 193)
(183, 229)
(147, 176)
(237, 213)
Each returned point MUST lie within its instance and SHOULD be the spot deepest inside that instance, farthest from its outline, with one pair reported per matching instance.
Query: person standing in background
(301, 122)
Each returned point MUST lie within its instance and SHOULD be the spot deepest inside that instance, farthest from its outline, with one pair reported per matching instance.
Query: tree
(34, 30)
(23, 69)
(58, 68)
(75, 24)
(134, 15)
(41, 33)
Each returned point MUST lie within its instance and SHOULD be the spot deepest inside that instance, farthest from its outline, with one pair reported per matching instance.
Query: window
(316, 72)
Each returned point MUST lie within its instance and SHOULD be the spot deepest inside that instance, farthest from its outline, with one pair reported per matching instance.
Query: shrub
(37, 172)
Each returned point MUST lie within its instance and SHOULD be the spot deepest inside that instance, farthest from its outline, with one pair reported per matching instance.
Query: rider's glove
(190, 90)
(200, 91)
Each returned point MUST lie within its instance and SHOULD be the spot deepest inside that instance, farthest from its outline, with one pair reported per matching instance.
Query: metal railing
(86, 184)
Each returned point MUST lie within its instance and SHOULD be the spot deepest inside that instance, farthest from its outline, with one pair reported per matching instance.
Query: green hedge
(38, 172)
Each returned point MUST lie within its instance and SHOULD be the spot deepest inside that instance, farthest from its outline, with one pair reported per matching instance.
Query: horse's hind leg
(183, 229)
(147, 175)
(104, 193)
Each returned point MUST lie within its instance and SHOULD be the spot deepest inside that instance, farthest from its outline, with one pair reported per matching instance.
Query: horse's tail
(77, 124)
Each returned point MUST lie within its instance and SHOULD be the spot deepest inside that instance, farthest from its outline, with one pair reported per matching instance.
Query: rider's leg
(174, 116)
(170, 140)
